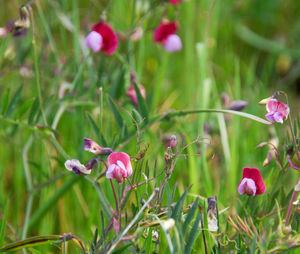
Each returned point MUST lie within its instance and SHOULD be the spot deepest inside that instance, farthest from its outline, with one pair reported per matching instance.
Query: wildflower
(277, 111)
(170, 141)
(119, 166)
(252, 183)
(102, 38)
(131, 93)
(78, 168)
(237, 105)
(175, 2)
(165, 33)
(91, 146)
(212, 220)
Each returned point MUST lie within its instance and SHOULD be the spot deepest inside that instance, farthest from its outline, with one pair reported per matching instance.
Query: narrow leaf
(176, 214)
(93, 124)
(116, 113)
(141, 103)
(14, 101)
(4, 101)
(33, 111)
(192, 236)
(190, 216)
(3, 225)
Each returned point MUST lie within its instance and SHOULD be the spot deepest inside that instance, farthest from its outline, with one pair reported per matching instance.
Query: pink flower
(101, 38)
(175, 2)
(277, 111)
(132, 94)
(165, 34)
(119, 166)
(252, 183)
(91, 146)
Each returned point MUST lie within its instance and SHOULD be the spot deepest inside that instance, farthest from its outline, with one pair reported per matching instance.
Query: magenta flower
(132, 94)
(102, 38)
(91, 146)
(165, 34)
(252, 183)
(277, 111)
(175, 2)
(119, 166)
(78, 168)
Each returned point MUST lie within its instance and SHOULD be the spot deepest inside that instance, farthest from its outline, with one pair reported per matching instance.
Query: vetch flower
(131, 93)
(252, 183)
(165, 34)
(119, 166)
(277, 111)
(175, 2)
(102, 38)
(78, 168)
(91, 146)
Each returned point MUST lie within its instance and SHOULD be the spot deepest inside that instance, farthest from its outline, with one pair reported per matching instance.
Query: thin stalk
(295, 192)
(115, 196)
(136, 217)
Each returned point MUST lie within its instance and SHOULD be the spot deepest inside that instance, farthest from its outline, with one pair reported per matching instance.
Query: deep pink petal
(110, 38)
(175, 2)
(254, 174)
(278, 106)
(165, 29)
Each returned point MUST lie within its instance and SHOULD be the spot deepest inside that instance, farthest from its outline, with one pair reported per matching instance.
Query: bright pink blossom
(175, 2)
(165, 34)
(103, 38)
(252, 183)
(277, 111)
(132, 94)
(119, 166)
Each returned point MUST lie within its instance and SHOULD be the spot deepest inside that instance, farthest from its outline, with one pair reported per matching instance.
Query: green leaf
(123, 248)
(116, 113)
(34, 251)
(14, 101)
(192, 235)
(190, 216)
(118, 84)
(176, 214)
(3, 225)
(141, 103)
(33, 111)
(93, 124)
(31, 242)
(25, 107)
(4, 101)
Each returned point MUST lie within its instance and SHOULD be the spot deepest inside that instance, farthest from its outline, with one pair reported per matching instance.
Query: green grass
(228, 46)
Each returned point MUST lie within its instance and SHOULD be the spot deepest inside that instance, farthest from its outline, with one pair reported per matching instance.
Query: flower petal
(75, 166)
(110, 171)
(173, 43)
(165, 29)
(94, 41)
(254, 174)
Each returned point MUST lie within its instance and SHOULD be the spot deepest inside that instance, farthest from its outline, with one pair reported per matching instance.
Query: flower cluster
(119, 163)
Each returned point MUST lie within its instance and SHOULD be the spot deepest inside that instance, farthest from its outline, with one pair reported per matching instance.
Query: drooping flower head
(252, 183)
(119, 166)
(165, 34)
(277, 111)
(102, 38)
(78, 168)
(91, 146)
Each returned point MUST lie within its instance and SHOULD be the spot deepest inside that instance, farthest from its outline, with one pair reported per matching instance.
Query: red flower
(102, 38)
(165, 34)
(252, 183)
(175, 2)
(119, 166)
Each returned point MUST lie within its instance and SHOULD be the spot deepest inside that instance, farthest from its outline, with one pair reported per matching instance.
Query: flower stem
(115, 196)
(295, 192)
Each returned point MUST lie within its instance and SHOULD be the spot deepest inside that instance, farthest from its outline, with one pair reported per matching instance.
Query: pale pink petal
(122, 167)
(247, 186)
(94, 41)
(110, 171)
(270, 116)
(173, 43)
(278, 117)
(75, 166)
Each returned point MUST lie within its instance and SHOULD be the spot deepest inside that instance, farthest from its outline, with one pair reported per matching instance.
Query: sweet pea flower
(119, 166)
(102, 38)
(277, 111)
(132, 94)
(78, 168)
(175, 2)
(165, 34)
(252, 183)
(91, 146)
